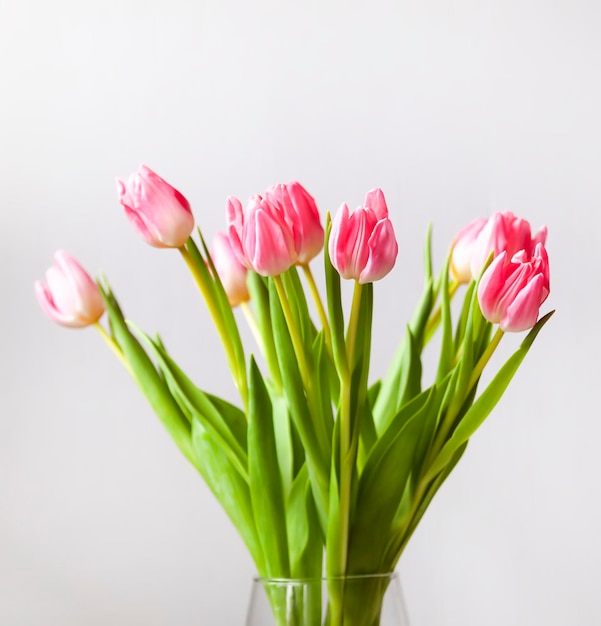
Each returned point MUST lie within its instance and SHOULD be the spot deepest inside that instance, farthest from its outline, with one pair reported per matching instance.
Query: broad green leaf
(403, 532)
(304, 534)
(194, 401)
(463, 316)
(265, 481)
(387, 404)
(407, 386)
(486, 402)
(230, 489)
(383, 482)
(148, 378)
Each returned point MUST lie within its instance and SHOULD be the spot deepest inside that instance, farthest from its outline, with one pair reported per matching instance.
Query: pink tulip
(294, 198)
(503, 232)
(158, 212)
(463, 245)
(510, 293)
(69, 297)
(363, 245)
(231, 272)
(263, 237)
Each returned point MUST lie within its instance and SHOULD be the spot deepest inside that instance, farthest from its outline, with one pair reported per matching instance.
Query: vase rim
(303, 581)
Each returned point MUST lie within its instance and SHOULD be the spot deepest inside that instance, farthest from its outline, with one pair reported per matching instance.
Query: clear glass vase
(350, 601)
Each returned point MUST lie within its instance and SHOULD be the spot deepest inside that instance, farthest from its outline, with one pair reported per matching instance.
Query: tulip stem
(485, 358)
(239, 376)
(303, 366)
(348, 442)
(113, 345)
(319, 304)
(252, 324)
(434, 320)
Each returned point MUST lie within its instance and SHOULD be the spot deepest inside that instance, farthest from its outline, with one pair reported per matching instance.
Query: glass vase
(374, 600)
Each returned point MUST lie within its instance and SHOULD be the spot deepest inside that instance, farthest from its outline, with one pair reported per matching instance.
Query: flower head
(69, 296)
(511, 291)
(463, 245)
(231, 272)
(363, 245)
(294, 199)
(159, 213)
(503, 232)
(264, 237)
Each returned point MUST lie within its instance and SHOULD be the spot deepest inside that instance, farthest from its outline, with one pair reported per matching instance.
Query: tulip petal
(383, 250)
(522, 313)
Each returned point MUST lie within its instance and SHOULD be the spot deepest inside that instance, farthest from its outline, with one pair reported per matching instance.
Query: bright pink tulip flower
(231, 272)
(503, 232)
(511, 293)
(363, 245)
(463, 245)
(158, 212)
(69, 296)
(294, 198)
(264, 237)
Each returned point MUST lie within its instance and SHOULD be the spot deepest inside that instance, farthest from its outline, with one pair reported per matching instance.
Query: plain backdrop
(456, 109)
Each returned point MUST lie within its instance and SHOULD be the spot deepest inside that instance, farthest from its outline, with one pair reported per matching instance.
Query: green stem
(252, 324)
(113, 345)
(485, 358)
(319, 304)
(434, 320)
(239, 376)
(348, 447)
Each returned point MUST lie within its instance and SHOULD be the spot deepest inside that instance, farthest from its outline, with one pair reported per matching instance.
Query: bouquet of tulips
(317, 466)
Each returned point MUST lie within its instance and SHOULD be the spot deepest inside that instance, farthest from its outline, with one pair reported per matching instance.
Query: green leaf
(403, 532)
(259, 294)
(148, 378)
(304, 534)
(486, 402)
(335, 313)
(407, 386)
(447, 353)
(384, 480)
(264, 478)
(317, 460)
(403, 364)
(298, 301)
(229, 487)
(195, 402)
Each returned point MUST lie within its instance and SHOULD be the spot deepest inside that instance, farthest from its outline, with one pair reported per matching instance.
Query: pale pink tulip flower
(363, 245)
(159, 213)
(463, 245)
(69, 296)
(231, 272)
(510, 293)
(503, 232)
(263, 237)
(294, 198)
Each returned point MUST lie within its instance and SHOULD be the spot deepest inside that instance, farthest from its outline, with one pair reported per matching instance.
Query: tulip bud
(158, 212)
(264, 238)
(231, 272)
(69, 297)
(363, 245)
(294, 198)
(461, 256)
(511, 293)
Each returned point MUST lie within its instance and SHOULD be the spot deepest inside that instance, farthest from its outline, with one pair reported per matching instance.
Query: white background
(455, 109)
